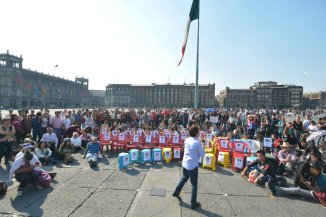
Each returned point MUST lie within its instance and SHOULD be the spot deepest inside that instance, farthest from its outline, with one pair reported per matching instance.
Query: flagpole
(197, 62)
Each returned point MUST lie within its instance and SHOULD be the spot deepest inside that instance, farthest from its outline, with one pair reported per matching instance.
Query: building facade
(315, 100)
(263, 94)
(23, 88)
(158, 95)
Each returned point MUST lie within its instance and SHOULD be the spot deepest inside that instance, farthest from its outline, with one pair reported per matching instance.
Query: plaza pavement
(81, 191)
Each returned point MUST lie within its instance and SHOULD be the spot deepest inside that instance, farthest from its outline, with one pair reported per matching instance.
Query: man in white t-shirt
(67, 122)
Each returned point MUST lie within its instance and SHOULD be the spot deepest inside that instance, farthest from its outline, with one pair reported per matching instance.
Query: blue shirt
(321, 181)
(193, 150)
(93, 148)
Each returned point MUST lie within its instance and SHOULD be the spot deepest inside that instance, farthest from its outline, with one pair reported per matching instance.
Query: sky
(139, 41)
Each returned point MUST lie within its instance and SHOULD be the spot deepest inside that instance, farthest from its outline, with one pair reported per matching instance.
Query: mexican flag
(193, 15)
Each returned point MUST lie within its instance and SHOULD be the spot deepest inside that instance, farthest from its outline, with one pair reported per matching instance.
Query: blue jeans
(296, 191)
(193, 175)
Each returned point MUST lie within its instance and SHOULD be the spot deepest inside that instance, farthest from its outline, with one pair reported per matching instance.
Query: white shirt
(306, 124)
(76, 141)
(193, 150)
(50, 138)
(67, 122)
(19, 162)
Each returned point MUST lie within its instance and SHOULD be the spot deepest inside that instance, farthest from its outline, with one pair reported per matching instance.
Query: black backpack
(281, 181)
(3, 189)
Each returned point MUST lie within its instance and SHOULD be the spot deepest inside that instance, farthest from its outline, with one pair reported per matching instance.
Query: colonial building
(262, 94)
(23, 88)
(158, 95)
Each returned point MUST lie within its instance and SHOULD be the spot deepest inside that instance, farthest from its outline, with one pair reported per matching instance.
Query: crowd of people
(30, 139)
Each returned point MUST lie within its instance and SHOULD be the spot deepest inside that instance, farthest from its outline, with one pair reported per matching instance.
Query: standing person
(37, 127)
(193, 151)
(306, 122)
(7, 132)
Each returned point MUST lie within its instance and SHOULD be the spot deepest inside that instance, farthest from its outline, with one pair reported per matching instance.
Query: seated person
(43, 153)
(50, 137)
(317, 188)
(287, 159)
(66, 150)
(266, 169)
(23, 168)
(76, 141)
(92, 151)
(86, 138)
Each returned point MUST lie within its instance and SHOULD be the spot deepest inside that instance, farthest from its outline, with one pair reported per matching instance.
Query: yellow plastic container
(167, 155)
(209, 161)
(224, 158)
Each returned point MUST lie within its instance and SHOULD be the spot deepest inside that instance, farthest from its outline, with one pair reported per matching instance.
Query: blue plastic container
(134, 156)
(146, 156)
(157, 155)
(123, 160)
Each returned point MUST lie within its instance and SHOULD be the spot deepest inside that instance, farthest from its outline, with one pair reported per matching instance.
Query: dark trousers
(26, 178)
(37, 133)
(193, 175)
(5, 150)
(264, 179)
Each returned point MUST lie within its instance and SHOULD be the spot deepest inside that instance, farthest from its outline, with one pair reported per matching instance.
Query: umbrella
(209, 110)
(316, 135)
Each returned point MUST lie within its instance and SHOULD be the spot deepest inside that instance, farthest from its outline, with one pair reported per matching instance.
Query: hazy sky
(139, 41)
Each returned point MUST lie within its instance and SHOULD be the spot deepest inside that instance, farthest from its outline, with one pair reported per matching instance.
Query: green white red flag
(193, 15)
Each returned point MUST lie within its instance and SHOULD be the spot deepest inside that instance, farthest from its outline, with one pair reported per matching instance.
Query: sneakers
(271, 186)
(19, 193)
(177, 196)
(195, 206)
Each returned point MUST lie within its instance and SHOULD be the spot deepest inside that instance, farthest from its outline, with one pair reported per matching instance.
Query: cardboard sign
(168, 134)
(209, 137)
(251, 144)
(106, 136)
(213, 119)
(177, 154)
(268, 142)
(176, 139)
(208, 160)
(148, 138)
(238, 163)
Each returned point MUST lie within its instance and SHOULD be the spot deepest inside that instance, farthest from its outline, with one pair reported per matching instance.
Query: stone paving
(105, 191)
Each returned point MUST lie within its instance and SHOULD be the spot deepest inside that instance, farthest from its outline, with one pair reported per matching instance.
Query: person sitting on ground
(23, 168)
(76, 141)
(43, 153)
(66, 150)
(51, 137)
(287, 159)
(92, 151)
(86, 138)
(317, 188)
(266, 169)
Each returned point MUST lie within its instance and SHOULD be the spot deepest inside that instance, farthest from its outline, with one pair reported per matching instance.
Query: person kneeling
(23, 168)
(92, 151)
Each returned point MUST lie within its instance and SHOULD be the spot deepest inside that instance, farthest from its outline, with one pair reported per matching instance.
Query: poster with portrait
(167, 154)
(134, 156)
(220, 157)
(121, 136)
(183, 136)
(176, 139)
(126, 160)
(147, 156)
(157, 156)
(162, 139)
(106, 136)
(148, 138)
(208, 160)
(238, 163)
(177, 154)
(114, 133)
(268, 142)
(224, 144)
(238, 146)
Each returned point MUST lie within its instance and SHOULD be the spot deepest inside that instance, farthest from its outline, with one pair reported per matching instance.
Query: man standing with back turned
(193, 151)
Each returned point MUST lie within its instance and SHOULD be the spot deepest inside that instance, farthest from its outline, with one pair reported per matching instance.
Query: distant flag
(56, 66)
(193, 15)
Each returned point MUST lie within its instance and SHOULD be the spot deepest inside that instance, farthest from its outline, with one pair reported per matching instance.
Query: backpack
(44, 179)
(3, 188)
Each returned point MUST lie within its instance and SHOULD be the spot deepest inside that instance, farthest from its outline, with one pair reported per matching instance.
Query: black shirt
(266, 167)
